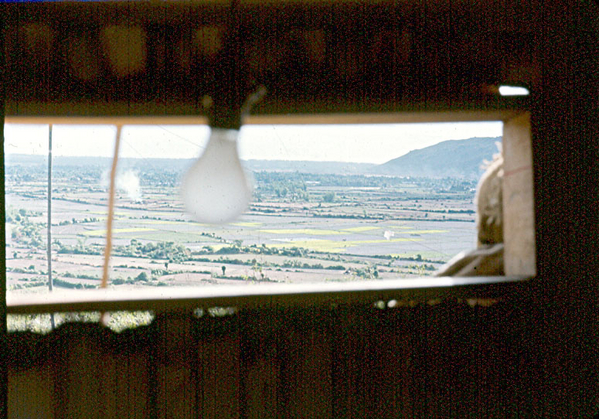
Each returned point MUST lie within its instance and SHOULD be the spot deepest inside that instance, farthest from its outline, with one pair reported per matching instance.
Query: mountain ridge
(452, 158)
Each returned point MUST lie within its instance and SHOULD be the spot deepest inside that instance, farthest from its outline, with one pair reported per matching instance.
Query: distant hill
(454, 158)
(105, 162)
(321, 167)
(179, 165)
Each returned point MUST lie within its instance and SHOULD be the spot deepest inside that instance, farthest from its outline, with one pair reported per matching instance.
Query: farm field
(299, 228)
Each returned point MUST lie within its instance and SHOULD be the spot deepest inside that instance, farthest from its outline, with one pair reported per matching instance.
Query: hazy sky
(352, 143)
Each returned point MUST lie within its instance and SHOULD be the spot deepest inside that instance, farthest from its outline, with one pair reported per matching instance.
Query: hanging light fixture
(217, 189)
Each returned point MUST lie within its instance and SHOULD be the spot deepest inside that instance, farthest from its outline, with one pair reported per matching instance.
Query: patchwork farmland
(300, 227)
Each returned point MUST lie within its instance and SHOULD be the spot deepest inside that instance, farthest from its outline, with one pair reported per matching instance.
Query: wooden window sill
(268, 295)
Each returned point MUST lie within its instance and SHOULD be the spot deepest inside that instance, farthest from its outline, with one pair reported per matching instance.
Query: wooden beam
(518, 198)
(268, 295)
(297, 119)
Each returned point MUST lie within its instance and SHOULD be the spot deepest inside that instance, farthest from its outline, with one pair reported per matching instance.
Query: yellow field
(333, 246)
(306, 231)
(165, 222)
(425, 231)
(246, 224)
(361, 229)
(116, 213)
(217, 247)
(116, 231)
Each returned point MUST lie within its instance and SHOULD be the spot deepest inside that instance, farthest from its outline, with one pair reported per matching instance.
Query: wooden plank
(107, 120)
(388, 356)
(262, 367)
(30, 393)
(518, 198)
(130, 382)
(391, 117)
(81, 379)
(75, 112)
(425, 360)
(267, 295)
(348, 359)
(307, 374)
(261, 385)
(219, 374)
(398, 66)
(174, 368)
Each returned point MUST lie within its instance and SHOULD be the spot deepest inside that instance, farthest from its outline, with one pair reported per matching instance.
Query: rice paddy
(365, 234)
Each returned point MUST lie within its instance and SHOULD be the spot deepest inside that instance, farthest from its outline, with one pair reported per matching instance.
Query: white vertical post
(49, 230)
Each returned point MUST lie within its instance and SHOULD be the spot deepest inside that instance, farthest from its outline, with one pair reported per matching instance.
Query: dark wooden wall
(313, 57)
(444, 360)
(565, 133)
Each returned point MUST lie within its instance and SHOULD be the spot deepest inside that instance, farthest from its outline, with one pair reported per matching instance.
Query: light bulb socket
(227, 112)
(225, 117)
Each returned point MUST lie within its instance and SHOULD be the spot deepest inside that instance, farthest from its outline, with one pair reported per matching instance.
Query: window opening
(331, 203)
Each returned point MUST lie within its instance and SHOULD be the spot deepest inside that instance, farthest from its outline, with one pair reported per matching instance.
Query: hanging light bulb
(217, 189)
